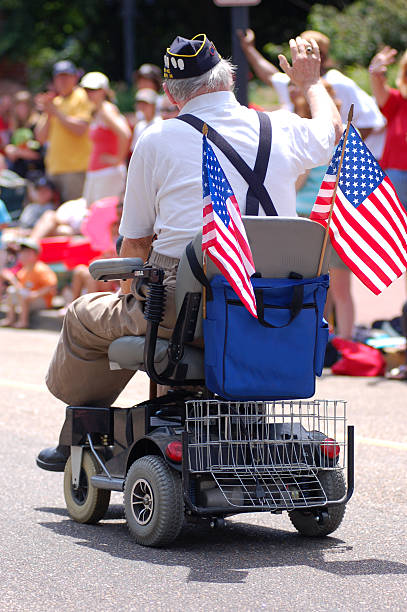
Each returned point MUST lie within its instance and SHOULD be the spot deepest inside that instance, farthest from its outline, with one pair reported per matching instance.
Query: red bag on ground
(357, 359)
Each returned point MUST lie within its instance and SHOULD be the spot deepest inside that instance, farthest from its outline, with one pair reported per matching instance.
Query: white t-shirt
(164, 183)
(366, 113)
(142, 125)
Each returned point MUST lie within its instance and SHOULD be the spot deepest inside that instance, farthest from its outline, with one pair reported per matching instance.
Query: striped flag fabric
(223, 233)
(368, 228)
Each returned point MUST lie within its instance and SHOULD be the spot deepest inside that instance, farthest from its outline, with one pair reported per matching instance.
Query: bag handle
(295, 306)
(197, 270)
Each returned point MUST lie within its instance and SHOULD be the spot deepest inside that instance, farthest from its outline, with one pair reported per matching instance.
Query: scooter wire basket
(267, 454)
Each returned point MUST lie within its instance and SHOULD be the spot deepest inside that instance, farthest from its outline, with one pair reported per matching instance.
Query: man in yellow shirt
(64, 127)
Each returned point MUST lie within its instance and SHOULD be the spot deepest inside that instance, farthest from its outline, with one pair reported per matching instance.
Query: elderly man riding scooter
(164, 199)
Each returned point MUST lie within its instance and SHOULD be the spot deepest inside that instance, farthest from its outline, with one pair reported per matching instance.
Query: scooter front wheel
(86, 503)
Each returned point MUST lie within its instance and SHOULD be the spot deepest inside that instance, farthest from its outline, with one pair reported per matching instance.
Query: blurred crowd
(63, 164)
(64, 155)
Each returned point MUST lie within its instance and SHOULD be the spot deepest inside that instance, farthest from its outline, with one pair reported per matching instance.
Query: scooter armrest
(119, 268)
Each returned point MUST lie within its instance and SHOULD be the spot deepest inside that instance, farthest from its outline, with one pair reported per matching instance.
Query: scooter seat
(127, 353)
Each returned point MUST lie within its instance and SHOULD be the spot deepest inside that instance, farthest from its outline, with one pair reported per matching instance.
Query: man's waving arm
(305, 73)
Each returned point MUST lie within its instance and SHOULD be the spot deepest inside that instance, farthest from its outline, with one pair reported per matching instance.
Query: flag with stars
(368, 228)
(223, 233)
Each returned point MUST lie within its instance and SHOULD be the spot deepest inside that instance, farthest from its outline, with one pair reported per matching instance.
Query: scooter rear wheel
(86, 504)
(312, 524)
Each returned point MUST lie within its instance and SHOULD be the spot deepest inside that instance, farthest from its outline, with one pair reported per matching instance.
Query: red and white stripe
(229, 250)
(320, 210)
(372, 238)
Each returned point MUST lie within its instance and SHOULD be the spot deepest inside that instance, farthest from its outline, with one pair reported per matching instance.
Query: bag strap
(254, 182)
(295, 306)
(262, 161)
(197, 271)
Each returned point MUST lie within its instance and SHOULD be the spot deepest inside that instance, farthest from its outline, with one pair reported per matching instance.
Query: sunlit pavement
(255, 562)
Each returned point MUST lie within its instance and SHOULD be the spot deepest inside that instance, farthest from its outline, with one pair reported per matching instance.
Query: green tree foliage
(363, 27)
(90, 32)
(40, 32)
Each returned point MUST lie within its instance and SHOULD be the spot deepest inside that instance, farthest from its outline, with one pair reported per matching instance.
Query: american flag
(223, 234)
(368, 227)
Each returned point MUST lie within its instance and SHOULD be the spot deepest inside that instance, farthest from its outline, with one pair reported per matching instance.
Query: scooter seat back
(279, 245)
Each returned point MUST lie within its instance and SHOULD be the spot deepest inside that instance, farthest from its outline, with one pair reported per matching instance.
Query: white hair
(218, 78)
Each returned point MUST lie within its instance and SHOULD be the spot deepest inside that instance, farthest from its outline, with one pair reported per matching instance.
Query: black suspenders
(256, 193)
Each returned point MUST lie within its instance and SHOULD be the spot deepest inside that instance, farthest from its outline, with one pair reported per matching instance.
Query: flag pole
(203, 286)
(204, 266)
(325, 242)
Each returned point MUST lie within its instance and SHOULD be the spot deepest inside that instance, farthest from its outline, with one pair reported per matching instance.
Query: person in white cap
(110, 136)
(146, 112)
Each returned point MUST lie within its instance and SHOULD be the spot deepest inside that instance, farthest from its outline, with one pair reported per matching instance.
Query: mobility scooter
(191, 454)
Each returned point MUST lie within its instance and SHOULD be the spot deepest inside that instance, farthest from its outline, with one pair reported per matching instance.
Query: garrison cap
(189, 58)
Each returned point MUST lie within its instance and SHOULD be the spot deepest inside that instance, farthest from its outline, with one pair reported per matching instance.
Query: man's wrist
(309, 88)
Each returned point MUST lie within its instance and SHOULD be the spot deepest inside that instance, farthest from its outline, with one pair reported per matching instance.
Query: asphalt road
(48, 562)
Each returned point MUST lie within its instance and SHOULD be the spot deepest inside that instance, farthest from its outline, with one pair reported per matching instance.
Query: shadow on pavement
(50, 320)
(115, 511)
(226, 555)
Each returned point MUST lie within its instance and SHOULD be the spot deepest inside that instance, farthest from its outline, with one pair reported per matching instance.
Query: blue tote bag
(276, 356)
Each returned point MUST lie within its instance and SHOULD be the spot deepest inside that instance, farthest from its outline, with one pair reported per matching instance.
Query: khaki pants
(69, 184)
(79, 372)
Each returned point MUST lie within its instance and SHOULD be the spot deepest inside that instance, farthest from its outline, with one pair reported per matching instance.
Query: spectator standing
(110, 136)
(24, 154)
(339, 299)
(148, 76)
(366, 115)
(31, 289)
(393, 104)
(146, 102)
(64, 126)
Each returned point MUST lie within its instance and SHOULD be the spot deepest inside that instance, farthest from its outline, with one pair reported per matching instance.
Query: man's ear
(169, 96)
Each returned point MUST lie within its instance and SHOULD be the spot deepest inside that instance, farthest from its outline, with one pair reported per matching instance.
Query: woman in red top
(110, 136)
(393, 105)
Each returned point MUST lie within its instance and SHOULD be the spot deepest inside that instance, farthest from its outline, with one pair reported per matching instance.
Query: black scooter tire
(307, 523)
(153, 502)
